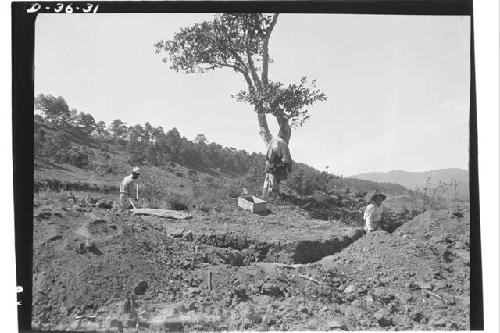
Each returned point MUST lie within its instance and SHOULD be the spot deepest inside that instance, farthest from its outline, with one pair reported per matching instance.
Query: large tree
(86, 123)
(55, 110)
(240, 42)
(118, 128)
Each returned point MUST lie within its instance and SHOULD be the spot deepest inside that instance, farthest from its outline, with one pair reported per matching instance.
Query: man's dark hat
(372, 196)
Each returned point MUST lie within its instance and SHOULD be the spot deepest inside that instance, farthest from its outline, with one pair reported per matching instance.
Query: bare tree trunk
(285, 129)
(264, 132)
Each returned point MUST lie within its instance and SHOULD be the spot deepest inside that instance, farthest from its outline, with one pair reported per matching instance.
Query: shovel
(137, 196)
(132, 203)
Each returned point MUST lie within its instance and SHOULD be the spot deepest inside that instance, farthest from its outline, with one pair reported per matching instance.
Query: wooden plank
(165, 213)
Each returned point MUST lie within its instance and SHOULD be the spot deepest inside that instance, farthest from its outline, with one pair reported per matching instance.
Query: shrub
(105, 169)
(153, 191)
(194, 176)
(177, 201)
(254, 178)
(79, 158)
(213, 183)
(233, 191)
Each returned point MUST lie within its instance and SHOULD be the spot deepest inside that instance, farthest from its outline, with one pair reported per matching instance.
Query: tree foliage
(240, 42)
(86, 123)
(55, 110)
(118, 129)
(200, 138)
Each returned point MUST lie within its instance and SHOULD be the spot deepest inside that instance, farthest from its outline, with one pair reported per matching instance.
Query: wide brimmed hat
(372, 196)
(136, 170)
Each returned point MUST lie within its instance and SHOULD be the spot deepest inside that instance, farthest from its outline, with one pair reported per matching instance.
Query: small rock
(182, 308)
(194, 291)
(440, 285)
(63, 310)
(412, 286)
(384, 280)
(408, 298)
(441, 322)
(253, 289)
(188, 235)
(249, 313)
(192, 306)
(334, 324)
(424, 285)
(177, 234)
(303, 309)
(379, 314)
(43, 215)
(350, 289)
(141, 288)
(382, 318)
(271, 289)
(240, 291)
(104, 204)
(235, 258)
(417, 317)
(53, 238)
(116, 323)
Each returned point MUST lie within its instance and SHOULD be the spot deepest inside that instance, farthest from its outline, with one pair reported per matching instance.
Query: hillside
(77, 149)
(413, 180)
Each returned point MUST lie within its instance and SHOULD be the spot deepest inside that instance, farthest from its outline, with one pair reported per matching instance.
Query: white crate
(253, 204)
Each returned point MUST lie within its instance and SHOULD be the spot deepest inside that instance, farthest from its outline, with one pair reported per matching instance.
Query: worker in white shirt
(278, 164)
(373, 212)
(129, 190)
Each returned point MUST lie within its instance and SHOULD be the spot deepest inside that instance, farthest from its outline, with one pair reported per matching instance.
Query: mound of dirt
(416, 278)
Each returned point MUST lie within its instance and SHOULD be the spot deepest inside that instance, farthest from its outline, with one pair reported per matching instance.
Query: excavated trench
(290, 252)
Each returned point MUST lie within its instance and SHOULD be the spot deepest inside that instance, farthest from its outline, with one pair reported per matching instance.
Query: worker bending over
(129, 190)
(373, 212)
(278, 164)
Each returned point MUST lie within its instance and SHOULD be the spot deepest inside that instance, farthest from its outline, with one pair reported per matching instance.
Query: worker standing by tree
(129, 190)
(373, 212)
(278, 163)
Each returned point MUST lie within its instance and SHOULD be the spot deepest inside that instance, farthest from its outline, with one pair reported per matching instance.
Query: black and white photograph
(252, 171)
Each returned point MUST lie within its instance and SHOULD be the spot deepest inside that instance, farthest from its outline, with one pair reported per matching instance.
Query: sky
(397, 86)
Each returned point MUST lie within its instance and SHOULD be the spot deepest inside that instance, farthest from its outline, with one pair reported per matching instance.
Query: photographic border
(23, 37)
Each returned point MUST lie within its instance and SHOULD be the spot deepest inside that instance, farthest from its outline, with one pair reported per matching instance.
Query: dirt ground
(97, 268)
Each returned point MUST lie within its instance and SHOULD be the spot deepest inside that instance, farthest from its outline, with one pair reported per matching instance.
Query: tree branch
(265, 56)
(251, 87)
(251, 64)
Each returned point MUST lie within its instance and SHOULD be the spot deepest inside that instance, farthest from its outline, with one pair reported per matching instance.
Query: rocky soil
(97, 268)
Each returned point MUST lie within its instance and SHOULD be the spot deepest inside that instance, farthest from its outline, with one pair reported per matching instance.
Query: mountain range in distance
(414, 180)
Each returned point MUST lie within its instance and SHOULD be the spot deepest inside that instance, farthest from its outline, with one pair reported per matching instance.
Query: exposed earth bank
(96, 268)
